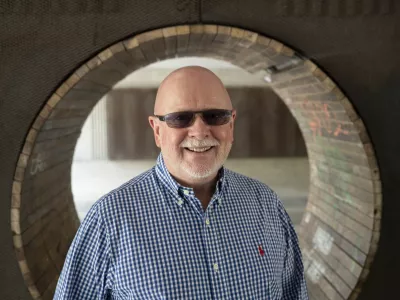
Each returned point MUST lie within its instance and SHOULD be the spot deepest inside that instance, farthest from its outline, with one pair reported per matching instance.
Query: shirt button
(208, 221)
(186, 192)
(215, 267)
(180, 202)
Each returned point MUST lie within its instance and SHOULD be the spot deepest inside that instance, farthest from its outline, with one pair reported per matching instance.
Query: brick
(261, 44)
(34, 292)
(16, 201)
(223, 35)
(122, 56)
(182, 38)
(31, 232)
(345, 219)
(83, 102)
(72, 80)
(363, 207)
(16, 188)
(48, 294)
(64, 113)
(296, 72)
(152, 45)
(23, 160)
(39, 121)
(315, 292)
(362, 183)
(323, 132)
(332, 143)
(15, 215)
(354, 158)
(346, 281)
(53, 101)
(319, 74)
(210, 32)
(63, 89)
(43, 282)
(114, 65)
(337, 116)
(132, 46)
(195, 37)
(338, 284)
(170, 41)
(94, 63)
(45, 112)
(63, 123)
(15, 228)
(56, 133)
(249, 38)
(360, 127)
(27, 149)
(105, 54)
(66, 141)
(298, 91)
(43, 204)
(82, 70)
(341, 249)
(302, 81)
(359, 246)
(93, 87)
(43, 163)
(332, 162)
(104, 76)
(31, 135)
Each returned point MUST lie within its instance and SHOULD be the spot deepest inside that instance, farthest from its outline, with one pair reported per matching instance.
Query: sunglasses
(183, 119)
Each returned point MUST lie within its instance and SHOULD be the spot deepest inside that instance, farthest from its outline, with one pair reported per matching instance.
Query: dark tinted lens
(179, 119)
(216, 116)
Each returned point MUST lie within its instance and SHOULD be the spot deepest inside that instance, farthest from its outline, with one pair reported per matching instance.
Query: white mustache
(199, 143)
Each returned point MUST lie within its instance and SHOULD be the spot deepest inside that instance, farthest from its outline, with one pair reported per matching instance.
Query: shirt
(152, 239)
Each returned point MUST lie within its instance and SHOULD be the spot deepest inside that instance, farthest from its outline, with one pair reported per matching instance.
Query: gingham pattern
(151, 239)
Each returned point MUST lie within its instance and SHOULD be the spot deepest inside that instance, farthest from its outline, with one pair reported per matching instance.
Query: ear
(156, 129)
(233, 118)
(231, 124)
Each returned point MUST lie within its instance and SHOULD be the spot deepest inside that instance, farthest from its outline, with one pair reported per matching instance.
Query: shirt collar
(171, 184)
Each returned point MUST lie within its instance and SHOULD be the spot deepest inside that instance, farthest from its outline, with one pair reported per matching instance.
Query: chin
(200, 173)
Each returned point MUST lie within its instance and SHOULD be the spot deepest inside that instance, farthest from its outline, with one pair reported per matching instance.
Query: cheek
(171, 140)
(224, 136)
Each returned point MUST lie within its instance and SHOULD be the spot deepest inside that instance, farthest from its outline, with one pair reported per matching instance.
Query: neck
(203, 190)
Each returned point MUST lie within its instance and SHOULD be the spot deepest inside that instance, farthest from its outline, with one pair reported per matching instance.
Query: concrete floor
(288, 177)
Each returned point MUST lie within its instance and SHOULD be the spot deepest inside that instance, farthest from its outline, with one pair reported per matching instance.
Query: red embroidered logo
(261, 250)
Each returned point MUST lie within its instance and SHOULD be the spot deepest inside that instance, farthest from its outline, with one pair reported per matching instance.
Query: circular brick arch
(340, 230)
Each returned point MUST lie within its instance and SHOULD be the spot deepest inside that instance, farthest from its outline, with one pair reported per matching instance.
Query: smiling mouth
(199, 149)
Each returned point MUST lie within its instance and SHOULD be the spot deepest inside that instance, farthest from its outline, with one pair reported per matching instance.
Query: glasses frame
(201, 112)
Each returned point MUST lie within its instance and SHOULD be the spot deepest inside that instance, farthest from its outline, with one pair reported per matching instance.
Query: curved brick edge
(288, 74)
(309, 74)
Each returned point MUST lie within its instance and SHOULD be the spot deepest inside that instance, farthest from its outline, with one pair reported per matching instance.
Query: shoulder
(247, 184)
(125, 195)
(257, 193)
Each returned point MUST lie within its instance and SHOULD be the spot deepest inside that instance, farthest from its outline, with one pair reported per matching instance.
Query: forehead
(193, 92)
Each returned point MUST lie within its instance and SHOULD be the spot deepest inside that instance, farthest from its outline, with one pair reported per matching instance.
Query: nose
(199, 129)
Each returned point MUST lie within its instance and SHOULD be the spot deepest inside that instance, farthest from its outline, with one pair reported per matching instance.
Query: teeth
(199, 149)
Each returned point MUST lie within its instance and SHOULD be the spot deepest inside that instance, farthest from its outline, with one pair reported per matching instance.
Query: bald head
(191, 88)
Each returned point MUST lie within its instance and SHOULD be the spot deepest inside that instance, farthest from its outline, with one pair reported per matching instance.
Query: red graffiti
(323, 121)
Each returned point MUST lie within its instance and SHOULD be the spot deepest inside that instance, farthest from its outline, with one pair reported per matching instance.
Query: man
(188, 228)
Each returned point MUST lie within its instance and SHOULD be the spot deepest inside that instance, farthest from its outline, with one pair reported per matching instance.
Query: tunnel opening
(340, 229)
(117, 143)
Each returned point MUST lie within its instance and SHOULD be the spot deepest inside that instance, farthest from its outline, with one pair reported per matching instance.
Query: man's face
(196, 153)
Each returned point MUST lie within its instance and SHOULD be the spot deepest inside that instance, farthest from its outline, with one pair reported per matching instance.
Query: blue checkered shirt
(151, 239)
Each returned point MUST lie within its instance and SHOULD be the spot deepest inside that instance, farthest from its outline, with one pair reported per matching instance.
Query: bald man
(188, 228)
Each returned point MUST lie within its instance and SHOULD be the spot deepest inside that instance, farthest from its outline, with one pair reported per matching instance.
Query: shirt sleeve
(86, 268)
(293, 281)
